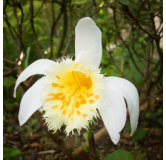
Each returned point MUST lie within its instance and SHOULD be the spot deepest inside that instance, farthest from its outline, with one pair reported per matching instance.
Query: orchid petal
(31, 101)
(113, 113)
(37, 67)
(127, 90)
(88, 42)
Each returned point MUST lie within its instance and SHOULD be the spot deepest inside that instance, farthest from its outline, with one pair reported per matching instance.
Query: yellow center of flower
(73, 89)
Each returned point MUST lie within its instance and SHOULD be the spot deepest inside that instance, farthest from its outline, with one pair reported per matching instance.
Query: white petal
(31, 101)
(113, 114)
(126, 89)
(37, 67)
(88, 42)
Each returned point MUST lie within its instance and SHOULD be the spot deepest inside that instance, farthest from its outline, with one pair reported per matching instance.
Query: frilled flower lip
(72, 93)
(88, 50)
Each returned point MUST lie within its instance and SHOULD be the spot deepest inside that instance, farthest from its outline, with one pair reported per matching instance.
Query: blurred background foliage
(132, 35)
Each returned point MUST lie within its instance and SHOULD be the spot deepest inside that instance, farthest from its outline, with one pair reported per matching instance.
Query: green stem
(93, 153)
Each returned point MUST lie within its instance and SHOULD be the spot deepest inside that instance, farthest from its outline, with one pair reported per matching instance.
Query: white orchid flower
(72, 90)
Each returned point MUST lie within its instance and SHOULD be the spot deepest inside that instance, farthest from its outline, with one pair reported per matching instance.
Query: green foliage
(126, 2)
(6, 83)
(27, 57)
(9, 128)
(120, 154)
(86, 146)
(142, 155)
(156, 117)
(160, 121)
(127, 127)
(150, 115)
(33, 126)
(139, 134)
(78, 2)
(86, 137)
(11, 152)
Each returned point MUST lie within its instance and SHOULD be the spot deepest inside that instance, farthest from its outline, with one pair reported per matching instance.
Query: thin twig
(130, 53)
(55, 20)
(4, 8)
(21, 44)
(34, 15)
(64, 32)
(134, 20)
(9, 61)
(68, 43)
(34, 32)
(19, 29)
(11, 29)
(11, 72)
(138, 13)
(20, 7)
(7, 45)
(141, 56)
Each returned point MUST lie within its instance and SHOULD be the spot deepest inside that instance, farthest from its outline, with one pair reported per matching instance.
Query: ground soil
(36, 145)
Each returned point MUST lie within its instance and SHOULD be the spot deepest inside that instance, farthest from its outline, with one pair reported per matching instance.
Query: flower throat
(74, 90)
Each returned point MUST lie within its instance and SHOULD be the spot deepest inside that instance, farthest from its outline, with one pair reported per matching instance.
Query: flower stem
(93, 153)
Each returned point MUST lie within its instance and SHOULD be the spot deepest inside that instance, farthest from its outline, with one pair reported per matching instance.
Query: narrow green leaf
(79, 2)
(27, 58)
(126, 2)
(142, 155)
